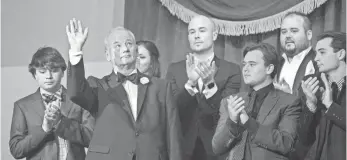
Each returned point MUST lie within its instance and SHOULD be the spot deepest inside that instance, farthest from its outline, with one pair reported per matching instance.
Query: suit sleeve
(181, 95)
(232, 86)
(227, 133)
(281, 138)
(75, 131)
(337, 114)
(81, 91)
(173, 127)
(22, 143)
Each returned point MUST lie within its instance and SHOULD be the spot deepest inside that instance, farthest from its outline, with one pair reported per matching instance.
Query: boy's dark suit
(277, 118)
(155, 135)
(199, 116)
(29, 140)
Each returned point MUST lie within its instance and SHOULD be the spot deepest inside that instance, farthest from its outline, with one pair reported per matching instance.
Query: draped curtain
(150, 20)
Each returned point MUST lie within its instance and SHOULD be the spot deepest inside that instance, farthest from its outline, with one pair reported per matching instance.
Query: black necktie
(335, 90)
(132, 78)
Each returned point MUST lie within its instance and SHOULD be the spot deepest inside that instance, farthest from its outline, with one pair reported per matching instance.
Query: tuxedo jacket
(300, 74)
(155, 135)
(199, 116)
(271, 135)
(28, 140)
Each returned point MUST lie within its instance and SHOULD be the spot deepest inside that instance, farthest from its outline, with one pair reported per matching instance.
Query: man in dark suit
(297, 61)
(199, 84)
(260, 124)
(324, 117)
(136, 115)
(45, 124)
(298, 55)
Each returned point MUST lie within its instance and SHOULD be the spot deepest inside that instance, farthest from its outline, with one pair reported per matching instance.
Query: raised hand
(206, 72)
(76, 35)
(327, 97)
(310, 87)
(193, 76)
(235, 107)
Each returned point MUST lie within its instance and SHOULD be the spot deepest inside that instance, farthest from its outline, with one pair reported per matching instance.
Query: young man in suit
(325, 116)
(46, 124)
(262, 123)
(199, 83)
(298, 55)
(136, 115)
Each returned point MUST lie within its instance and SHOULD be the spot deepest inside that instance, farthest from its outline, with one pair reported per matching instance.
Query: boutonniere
(144, 80)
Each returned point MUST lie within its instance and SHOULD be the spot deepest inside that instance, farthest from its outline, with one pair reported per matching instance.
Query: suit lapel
(141, 95)
(301, 71)
(268, 104)
(38, 105)
(116, 93)
(66, 104)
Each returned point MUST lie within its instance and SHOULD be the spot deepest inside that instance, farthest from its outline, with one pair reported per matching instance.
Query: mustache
(289, 40)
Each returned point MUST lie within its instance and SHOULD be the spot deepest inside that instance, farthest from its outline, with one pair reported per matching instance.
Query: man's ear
(309, 34)
(107, 54)
(215, 34)
(341, 55)
(270, 69)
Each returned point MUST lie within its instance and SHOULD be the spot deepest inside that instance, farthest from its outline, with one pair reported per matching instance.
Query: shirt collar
(58, 93)
(299, 56)
(208, 60)
(115, 70)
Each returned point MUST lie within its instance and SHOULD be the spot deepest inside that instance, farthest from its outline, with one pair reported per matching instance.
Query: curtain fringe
(237, 28)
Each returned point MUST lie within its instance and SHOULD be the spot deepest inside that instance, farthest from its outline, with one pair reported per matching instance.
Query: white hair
(117, 29)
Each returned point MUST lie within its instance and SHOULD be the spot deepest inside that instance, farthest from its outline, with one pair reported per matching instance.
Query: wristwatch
(210, 85)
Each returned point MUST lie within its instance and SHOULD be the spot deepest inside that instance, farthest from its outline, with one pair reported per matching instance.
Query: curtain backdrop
(149, 20)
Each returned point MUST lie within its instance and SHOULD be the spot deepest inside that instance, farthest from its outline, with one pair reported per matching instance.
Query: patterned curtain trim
(238, 28)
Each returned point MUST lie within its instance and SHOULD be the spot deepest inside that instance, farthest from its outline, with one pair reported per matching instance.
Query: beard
(298, 47)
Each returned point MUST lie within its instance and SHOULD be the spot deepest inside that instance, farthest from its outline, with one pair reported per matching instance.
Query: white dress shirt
(207, 92)
(132, 91)
(63, 148)
(289, 69)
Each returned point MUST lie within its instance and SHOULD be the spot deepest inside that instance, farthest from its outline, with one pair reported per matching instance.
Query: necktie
(132, 78)
(335, 91)
(239, 150)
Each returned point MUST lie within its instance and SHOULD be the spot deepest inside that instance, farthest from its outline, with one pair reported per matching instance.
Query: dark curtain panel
(149, 20)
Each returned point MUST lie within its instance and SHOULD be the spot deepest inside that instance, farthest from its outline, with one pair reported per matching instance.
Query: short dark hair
(307, 21)
(154, 54)
(269, 54)
(338, 39)
(46, 57)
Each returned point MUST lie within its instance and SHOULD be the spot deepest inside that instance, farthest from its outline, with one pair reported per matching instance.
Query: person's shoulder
(26, 100)
(285, 97)
(159, 81)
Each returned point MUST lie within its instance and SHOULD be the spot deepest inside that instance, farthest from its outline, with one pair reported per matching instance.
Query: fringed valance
(237, 28)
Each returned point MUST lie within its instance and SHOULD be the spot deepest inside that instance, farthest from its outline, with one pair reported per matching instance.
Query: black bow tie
(132, 78)
(49, 98)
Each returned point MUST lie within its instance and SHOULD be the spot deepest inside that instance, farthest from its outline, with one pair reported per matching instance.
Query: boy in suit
(46, 124)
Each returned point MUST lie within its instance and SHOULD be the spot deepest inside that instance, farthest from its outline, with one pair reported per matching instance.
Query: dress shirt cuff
(191, 90)
(252, 127)
(233, 127)
(311, 107)
(45, 127)
(75, 57)
(210, 92)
